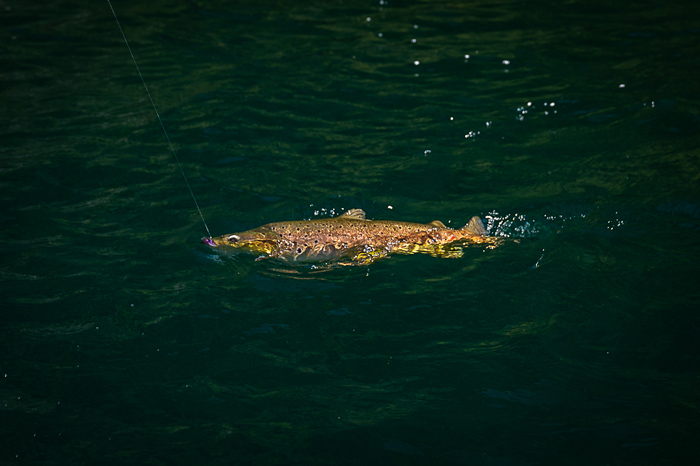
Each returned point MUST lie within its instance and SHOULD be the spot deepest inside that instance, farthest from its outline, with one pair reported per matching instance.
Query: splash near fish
(352, 236)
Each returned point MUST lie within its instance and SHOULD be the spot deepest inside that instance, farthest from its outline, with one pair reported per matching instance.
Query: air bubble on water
(617, 222)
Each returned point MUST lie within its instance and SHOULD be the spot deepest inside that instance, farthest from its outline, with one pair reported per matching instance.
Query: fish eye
(233, 238)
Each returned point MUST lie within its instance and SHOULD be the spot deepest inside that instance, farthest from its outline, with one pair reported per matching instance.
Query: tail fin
(475, 226)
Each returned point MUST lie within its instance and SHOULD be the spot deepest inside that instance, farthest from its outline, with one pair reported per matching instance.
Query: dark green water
(573, 128)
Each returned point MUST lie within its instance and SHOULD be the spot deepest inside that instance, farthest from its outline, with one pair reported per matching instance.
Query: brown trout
(351, 236)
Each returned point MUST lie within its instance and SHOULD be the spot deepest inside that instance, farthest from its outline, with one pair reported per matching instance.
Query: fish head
(257, 241)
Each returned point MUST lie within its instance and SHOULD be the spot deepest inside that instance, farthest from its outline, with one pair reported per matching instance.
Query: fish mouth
(244, 242)
(227, 240)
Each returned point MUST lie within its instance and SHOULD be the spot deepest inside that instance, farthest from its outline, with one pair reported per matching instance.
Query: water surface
(571, 129)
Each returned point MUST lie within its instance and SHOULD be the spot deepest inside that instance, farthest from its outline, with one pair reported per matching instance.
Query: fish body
(351, 235)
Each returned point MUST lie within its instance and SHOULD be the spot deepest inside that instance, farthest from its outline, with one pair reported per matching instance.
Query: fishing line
(159, 119)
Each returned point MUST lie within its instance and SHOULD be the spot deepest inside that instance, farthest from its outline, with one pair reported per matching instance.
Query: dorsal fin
(358, 214)
(475, 226)
(437, 223)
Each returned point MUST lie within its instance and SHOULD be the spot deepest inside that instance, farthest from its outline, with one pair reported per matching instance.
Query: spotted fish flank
(351, 235)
